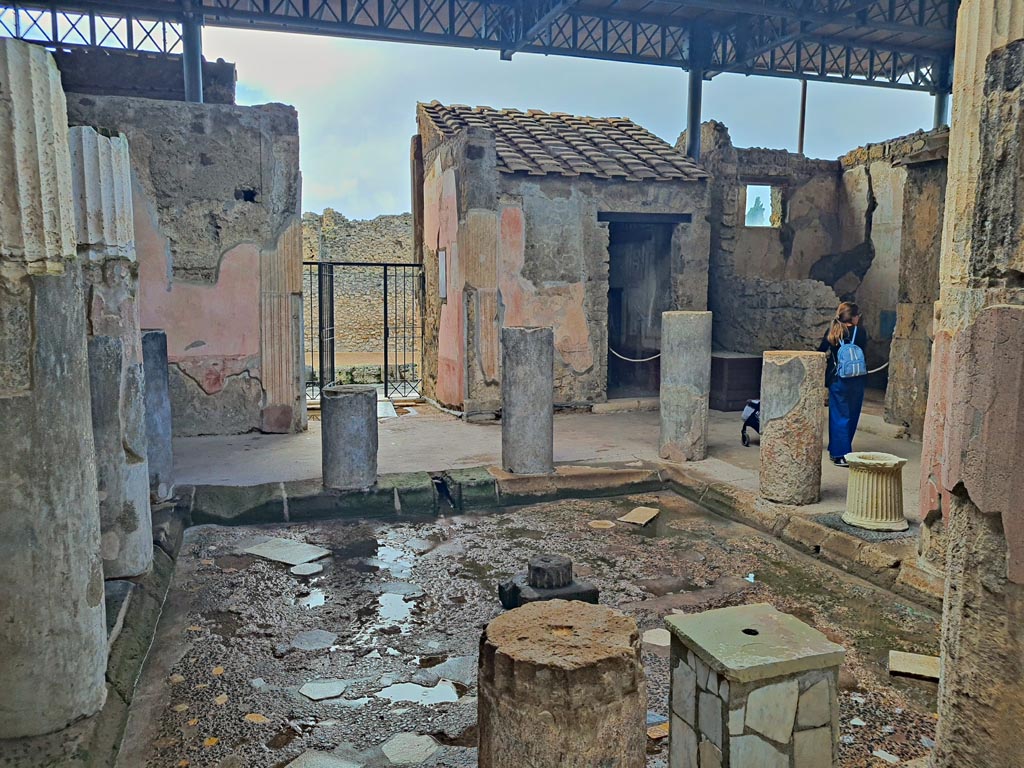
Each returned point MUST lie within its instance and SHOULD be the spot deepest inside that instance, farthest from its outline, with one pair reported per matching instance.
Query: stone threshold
(887, 564)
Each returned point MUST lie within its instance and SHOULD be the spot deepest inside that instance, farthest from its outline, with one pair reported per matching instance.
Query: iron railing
(370, 330)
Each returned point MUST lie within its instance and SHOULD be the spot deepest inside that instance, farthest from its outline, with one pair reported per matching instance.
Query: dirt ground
(407, 603)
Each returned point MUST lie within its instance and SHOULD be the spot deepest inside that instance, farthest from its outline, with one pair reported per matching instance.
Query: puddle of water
(314, 599)
(397, 561)
(420, 694)
(393, 607)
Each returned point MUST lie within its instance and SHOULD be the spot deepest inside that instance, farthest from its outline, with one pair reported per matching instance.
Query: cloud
(357, 104)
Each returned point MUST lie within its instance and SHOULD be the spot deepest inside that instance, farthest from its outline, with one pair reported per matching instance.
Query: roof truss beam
(539, 15)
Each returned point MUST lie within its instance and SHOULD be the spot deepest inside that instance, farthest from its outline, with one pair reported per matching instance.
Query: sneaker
(840, 461)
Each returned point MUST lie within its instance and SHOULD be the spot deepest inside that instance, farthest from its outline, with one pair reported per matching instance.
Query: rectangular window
(762, 206)
(442, 274)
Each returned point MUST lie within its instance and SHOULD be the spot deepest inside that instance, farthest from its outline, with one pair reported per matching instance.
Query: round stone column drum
(874, 494)
(561, 685)
(348, 435)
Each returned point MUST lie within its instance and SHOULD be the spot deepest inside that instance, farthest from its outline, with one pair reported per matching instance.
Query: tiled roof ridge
(540, 143)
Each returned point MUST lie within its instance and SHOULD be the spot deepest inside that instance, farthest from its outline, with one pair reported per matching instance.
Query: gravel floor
(407, 602)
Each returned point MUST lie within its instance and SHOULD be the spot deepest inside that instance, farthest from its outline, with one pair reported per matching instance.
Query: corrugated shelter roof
(541, 143)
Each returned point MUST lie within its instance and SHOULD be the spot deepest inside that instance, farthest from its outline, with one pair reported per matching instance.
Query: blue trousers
(845, 399)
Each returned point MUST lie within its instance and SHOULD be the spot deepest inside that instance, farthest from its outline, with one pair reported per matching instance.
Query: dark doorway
(639, 290)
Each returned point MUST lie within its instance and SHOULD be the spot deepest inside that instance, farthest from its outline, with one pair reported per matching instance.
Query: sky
(357, 104)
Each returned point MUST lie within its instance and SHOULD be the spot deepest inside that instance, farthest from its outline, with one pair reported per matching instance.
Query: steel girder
(857, 41)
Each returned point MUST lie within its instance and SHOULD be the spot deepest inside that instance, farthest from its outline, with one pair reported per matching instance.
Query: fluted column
(53, 643)
(874, 494)
(101, 185)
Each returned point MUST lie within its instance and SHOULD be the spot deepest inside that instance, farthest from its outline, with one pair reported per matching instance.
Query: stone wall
(863, 228)
(110, 72)
(760, 286)
(216, 199)
(528, 250)
(358, 291)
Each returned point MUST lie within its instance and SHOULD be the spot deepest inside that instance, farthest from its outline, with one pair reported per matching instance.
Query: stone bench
(752, 687)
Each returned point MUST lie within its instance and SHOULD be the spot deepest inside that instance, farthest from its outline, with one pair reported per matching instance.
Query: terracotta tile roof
(540, 143)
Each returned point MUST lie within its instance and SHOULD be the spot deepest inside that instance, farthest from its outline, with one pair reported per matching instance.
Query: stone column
(348, 436)
(976, 398)
(527, 400)
(101, 185)
(792, 403)
(53, 639)
(561, 685)
(159, 446)
(685, 385)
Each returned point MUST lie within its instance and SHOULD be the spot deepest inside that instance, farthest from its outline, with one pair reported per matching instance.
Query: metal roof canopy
(890, 43)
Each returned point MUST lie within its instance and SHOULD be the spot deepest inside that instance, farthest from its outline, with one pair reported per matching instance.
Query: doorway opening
(639, 290)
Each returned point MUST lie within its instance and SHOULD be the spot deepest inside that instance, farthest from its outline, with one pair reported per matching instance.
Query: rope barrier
(633, 359)
(880, 368)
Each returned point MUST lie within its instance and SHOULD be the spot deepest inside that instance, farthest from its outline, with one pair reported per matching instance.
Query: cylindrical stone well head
(561, 685)
(348, 415)
(527, 400)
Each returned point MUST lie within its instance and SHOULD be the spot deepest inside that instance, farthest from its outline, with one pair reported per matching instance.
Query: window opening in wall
(762, 206)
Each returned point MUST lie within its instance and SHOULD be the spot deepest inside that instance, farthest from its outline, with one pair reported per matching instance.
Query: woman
(845, 392)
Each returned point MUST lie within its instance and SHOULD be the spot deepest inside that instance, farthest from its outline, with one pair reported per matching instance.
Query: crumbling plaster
(529, 250)
(216, 199)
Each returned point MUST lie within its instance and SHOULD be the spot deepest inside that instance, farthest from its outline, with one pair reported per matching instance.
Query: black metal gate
(374, 313)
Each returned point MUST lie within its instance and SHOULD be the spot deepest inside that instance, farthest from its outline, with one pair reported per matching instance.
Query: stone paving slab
(288, 551)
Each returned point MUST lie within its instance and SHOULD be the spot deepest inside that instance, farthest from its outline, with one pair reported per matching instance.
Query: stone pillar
(685, 385)
(101, 185)
(527, 400)
(159, 446)
(348, 436)
(792, 423)
(52, 631)
(874, 492)
(561, 685)
(971, 468)
(751, 686)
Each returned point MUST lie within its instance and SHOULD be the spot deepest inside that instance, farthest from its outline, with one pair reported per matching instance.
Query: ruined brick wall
(109, 72)
(858, 229)
(760, 286)
(216, 203)
(359, 291)
(882, 220)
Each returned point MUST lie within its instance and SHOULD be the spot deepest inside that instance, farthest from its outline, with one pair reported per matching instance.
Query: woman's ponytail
(845, 314)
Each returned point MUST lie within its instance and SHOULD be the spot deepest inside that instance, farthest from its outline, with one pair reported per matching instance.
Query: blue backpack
(850, 361)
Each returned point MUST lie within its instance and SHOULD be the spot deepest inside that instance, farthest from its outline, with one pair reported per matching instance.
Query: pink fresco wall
(213, 331)
(440, 227)
(560, 306)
